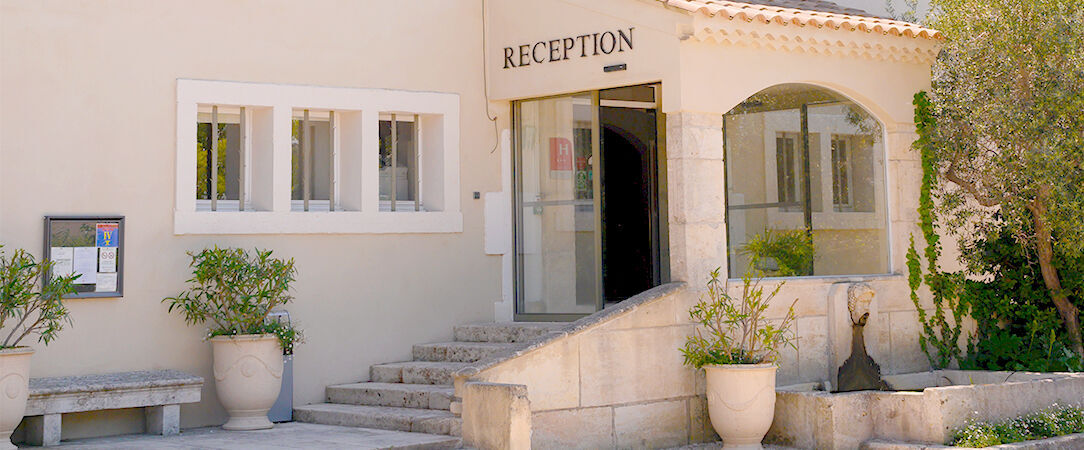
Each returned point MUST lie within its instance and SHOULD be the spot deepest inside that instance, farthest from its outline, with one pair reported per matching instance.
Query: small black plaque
(615, 68)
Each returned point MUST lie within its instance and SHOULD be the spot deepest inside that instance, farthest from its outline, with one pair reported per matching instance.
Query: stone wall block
(899, 144)
(652, 425)
(496, 416)
(851, 422)
(905, 185)
(694, 135)
(879, 344)
(625, 366)
(548, 372)
(700, 428)
(697, 191)
(811, 295)
(788, 372)
(893, 294)
(793, 425)
(704, 250)
(898, 416)
(582, 428)
(813, 354)
(670, 311)
(907, 354)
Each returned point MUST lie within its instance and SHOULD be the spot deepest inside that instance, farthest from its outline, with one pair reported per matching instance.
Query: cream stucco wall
(88, 104)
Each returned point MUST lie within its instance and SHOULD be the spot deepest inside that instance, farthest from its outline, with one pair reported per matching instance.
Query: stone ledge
(110, 382)
(1067, 442)
(57, 395)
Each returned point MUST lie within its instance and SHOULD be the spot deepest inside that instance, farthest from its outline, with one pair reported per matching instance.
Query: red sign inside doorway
(560, 154)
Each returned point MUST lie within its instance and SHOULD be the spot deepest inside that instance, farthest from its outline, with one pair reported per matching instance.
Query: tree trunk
(1070, 315)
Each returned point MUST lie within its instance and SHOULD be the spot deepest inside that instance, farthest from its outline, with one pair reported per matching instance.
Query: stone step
(415, 420)
(424, 396)
(415, 372)
(459, 351)
(505, 332)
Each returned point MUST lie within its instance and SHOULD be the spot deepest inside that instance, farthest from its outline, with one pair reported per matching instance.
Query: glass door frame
(661, 232)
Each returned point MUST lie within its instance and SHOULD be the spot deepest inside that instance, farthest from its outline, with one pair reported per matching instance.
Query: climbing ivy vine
(937, 331)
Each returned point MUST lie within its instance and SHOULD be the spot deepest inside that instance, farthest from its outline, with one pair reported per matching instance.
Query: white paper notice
(62, 260)
(86, 265)
(107, 259)
(107, 282)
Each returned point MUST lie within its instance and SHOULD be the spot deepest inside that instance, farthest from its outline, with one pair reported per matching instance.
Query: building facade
(431, 163)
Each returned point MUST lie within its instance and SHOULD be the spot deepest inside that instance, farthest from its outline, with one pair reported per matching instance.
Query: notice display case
(90, 246)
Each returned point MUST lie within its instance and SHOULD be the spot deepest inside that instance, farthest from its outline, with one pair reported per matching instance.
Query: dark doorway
(629, 179)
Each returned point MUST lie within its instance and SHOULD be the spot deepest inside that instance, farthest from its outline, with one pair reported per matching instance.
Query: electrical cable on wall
(485, 82)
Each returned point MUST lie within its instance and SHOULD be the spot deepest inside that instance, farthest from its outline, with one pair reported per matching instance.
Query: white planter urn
(741, 402)
(14, 389)
(248, 377)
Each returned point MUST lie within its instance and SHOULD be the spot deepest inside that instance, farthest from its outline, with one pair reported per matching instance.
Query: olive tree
(1008, 127)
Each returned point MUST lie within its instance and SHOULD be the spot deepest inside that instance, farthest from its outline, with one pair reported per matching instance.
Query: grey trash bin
(283, 409)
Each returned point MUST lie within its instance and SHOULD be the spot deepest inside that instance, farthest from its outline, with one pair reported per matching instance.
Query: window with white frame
(312, 161)
(285, 153)
(841, 173)
(220, 153)
(399, 163)
(788, 171)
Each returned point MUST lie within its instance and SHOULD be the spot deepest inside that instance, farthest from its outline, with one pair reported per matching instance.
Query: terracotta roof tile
(817, 13)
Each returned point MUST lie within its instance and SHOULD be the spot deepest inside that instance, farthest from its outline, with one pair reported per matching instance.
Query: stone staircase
(416, 395)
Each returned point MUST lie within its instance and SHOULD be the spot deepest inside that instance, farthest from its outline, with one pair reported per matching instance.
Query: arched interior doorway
(805, 183)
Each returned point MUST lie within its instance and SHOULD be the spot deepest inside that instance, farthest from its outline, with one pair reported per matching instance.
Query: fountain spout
(859, 372)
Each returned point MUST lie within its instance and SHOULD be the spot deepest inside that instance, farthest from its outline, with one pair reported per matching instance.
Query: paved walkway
(283, 436)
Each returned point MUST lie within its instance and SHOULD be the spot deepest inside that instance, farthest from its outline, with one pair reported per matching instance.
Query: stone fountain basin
(923, 407)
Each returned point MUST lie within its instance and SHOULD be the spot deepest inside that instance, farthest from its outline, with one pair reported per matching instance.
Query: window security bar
(412, 176)
(213, 180)
(306, 160)
(394, 160)
(331, 153)
(244, 167)
(417, 166)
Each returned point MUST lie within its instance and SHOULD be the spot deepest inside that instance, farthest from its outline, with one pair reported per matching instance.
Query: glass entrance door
(557, 220)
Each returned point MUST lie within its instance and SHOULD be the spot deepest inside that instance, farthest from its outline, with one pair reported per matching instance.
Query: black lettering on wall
(523, 56)
(553, 50)
(625, 39)
(613, 42)
(534, 52)
(583, 44)
(508, 54)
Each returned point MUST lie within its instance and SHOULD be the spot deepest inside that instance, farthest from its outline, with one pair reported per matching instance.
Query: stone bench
(159, 392)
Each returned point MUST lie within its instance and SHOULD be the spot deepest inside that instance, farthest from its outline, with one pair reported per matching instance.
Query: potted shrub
(28, 305)
(234, 291)
(737, 347)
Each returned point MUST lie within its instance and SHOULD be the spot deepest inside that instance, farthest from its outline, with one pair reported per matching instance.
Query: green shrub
(792, 251)
(28, 305)
(1017, 326)
(737, 331)
(1048, 423)
(235, 291)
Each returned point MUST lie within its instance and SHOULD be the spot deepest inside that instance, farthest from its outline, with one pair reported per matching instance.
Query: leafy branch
(937, 331)
(235, 291)
(36, 307)
(737, 331)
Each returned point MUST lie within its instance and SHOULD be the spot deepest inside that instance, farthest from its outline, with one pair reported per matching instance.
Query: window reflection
(805, 185)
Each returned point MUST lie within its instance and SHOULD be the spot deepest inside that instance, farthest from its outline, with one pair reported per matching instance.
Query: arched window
(805, 180)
